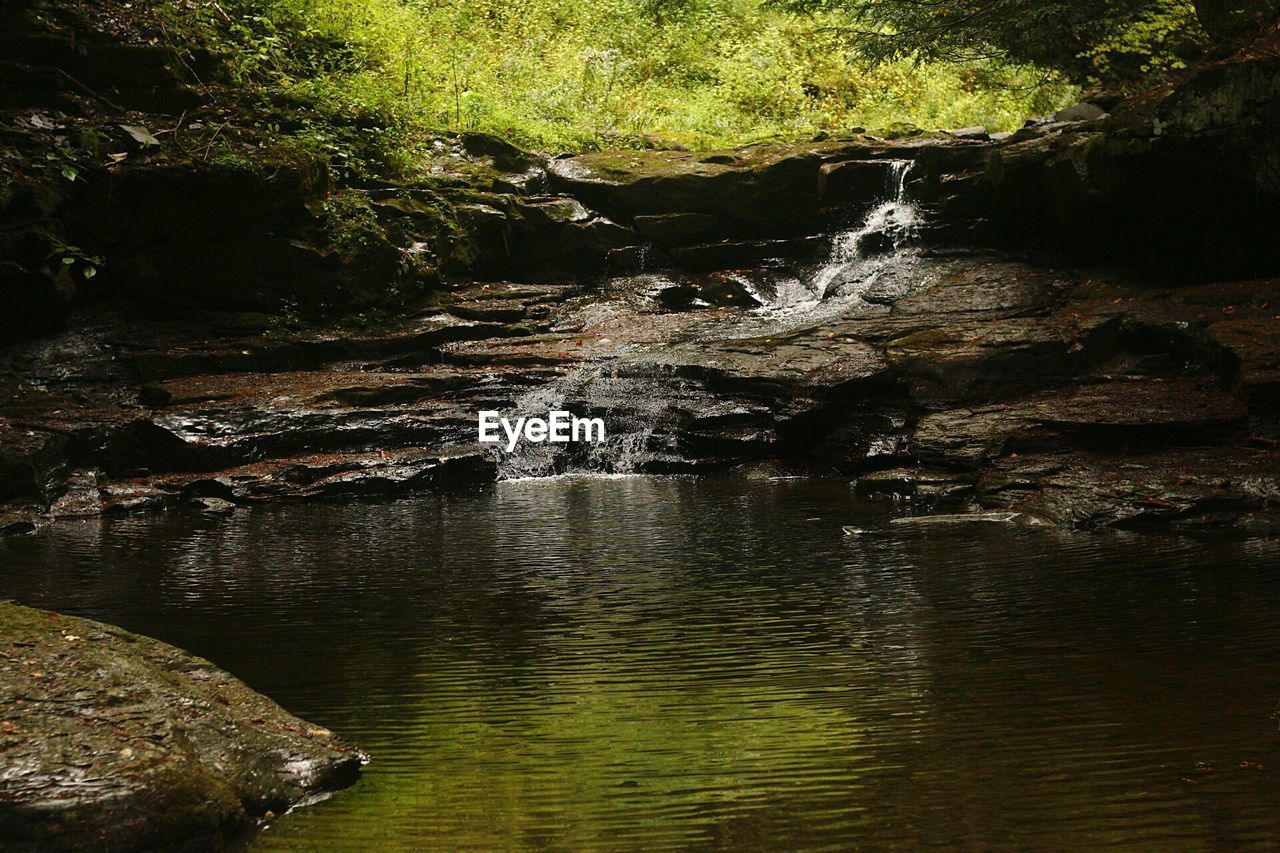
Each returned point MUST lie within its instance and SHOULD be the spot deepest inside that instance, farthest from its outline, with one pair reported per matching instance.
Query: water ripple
(621, 663)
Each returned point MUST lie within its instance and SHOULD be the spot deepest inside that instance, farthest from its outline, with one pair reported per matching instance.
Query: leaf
(70, 173)
(90, 271)
(140, 134)
(41, 122)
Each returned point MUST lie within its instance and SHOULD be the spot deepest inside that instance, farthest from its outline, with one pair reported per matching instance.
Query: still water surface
(666, 663)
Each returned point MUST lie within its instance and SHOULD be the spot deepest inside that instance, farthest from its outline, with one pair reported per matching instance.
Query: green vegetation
(581, 74)
(1106, 42)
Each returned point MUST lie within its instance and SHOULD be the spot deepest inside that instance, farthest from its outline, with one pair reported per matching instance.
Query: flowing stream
(890, 226)
(634, 408)
(660, 663)
(877, 253)
(881, 245)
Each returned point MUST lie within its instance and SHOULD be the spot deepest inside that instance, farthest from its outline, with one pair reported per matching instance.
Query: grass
(585, 74)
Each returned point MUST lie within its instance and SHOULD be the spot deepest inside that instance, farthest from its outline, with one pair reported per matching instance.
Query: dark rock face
(297, 434)
(1183, 488)
(983, 382)
(674, 229)
(1251, 353)
(114, 741)
(1115, 414)
(158, 257)
(1185, 177)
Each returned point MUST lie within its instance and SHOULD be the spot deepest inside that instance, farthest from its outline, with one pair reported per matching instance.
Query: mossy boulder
(761, 190)
(114, 741)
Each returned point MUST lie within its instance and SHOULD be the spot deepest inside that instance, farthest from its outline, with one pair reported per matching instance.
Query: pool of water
(663, 663)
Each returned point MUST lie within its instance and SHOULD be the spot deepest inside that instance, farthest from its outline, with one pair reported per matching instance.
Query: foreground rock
(113, 741)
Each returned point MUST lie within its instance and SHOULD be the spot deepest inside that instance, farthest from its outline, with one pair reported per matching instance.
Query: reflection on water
(673, 663)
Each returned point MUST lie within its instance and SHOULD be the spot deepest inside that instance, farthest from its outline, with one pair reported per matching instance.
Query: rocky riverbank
(1080, 321)
(969, 380)
(112, 741)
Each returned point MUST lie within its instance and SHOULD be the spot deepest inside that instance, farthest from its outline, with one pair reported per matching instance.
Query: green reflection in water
(676, 664)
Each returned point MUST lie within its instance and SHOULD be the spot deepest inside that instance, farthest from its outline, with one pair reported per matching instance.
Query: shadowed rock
(114, 741)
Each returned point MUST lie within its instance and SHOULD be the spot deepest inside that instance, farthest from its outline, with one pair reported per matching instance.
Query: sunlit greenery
(1161, 39)
(572, 74)
(1107, 42)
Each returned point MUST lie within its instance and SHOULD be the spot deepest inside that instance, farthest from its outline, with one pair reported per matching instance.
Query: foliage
(349, 223)
(73, 258)
(1155, 43)
(575, 74)
(1090, 41)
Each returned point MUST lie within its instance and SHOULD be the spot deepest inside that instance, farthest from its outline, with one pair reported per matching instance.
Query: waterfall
(633, 408)
(892, 223)
(643, 404)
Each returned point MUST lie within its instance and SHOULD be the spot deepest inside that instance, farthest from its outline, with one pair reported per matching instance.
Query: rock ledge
(114, 741)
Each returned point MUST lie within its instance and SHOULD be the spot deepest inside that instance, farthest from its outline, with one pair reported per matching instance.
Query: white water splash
(641, 412)
(633, 409)
(894, 220)
(781, 292)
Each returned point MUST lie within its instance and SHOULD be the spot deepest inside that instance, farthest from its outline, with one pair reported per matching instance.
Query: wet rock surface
(986, 382)
(113, 741)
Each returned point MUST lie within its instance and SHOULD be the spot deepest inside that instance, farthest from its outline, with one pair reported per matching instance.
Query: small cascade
(645, 406)
(890, 226)
(633, 408)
